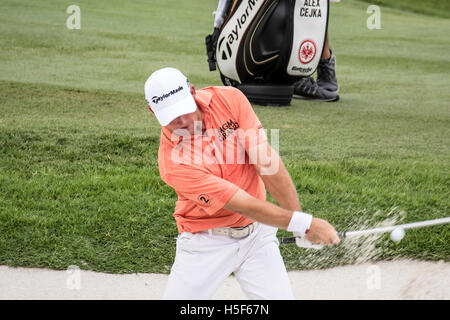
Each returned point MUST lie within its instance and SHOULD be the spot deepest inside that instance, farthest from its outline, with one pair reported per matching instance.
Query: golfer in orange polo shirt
(214, 153)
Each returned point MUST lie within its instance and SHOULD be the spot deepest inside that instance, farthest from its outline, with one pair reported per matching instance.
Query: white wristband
(300, 223)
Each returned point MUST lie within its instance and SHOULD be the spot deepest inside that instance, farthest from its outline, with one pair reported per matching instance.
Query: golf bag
(264, 46)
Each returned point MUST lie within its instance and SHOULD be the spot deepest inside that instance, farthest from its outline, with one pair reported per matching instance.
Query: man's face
(187, 124)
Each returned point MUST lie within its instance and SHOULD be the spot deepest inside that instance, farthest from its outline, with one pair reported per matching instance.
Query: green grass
(430, 7)
(79, 183)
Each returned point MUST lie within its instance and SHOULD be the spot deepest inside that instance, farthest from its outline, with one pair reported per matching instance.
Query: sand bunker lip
(399, 279)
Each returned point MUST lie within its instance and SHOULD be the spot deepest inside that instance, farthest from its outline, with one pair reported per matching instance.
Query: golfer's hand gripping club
(320, 233)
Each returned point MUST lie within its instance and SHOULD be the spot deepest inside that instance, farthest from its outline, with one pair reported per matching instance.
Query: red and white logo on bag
(307, 51)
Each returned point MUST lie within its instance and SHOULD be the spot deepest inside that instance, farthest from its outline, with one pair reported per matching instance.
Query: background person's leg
(326, 70)
(326, 88)
(326, 54)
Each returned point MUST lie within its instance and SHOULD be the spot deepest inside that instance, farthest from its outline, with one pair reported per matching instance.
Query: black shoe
(307, 88)
(326, 75)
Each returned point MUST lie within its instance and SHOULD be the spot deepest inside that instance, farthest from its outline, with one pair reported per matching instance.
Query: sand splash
(351, 250)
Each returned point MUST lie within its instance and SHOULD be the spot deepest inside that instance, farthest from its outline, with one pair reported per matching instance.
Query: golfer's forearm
(259, 210)
(282, 189)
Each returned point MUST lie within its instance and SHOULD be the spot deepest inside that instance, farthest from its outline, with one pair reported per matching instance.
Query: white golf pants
(203, 261)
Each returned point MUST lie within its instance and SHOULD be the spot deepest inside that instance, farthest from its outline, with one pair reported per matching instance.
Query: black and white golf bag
(264, 46)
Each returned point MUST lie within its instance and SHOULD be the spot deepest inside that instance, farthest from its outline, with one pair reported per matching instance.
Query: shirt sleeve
(202, 187)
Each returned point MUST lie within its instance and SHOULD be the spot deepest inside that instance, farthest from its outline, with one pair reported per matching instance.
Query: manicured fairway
(79, 182)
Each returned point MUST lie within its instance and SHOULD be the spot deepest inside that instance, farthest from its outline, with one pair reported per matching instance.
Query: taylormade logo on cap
(156, 99)
(167, 92)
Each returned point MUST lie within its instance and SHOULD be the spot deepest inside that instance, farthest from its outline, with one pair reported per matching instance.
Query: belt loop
(210, 232)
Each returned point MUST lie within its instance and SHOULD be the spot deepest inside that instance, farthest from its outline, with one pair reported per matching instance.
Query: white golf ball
(397, 234)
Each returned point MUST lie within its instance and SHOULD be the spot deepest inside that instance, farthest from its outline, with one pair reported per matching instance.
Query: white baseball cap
(168, 94)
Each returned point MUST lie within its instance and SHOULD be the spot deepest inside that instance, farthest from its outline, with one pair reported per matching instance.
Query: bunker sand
(399, 279)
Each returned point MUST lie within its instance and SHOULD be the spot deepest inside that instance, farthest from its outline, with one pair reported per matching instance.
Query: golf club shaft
(420, 224)
(359, 233)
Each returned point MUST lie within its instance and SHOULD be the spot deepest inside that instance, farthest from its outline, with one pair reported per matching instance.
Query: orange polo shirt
(206, 170)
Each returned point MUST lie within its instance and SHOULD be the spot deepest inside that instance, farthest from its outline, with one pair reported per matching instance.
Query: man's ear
(192, 90)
